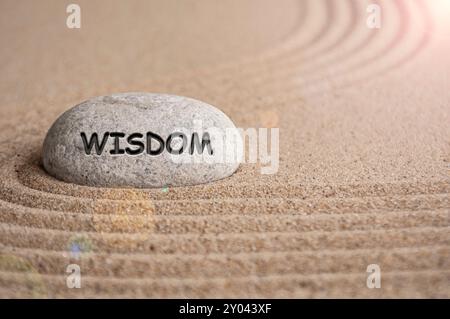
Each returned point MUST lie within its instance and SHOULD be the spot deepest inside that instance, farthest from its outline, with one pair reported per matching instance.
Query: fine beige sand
(364, 173)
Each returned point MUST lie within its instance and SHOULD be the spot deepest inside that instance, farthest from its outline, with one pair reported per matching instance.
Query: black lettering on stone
(117, 150)
(195, 143)
(132, 141)
(136, 140)
(158, 138)
(169, 142)
(93, 142)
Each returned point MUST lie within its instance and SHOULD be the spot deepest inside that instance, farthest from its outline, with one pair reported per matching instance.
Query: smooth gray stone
(67, 156)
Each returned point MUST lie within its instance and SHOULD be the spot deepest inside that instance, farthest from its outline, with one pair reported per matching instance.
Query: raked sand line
(306, 46)
(308, 11)
(396, 41)
(304, 50)
(122, 222)
(329, 38)
(375, 63)
(345, 75)
(27, 237)
(248, 264)
(34, 177)
(387, 41)
(36, 199)
(352, 38)
(398, 284)
(254, 206)
(360, 72)
(133, 204)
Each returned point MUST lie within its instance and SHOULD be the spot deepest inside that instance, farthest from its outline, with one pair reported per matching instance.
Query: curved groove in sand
(279, 51)
(87, 199)
(404, 22)
(306, 54)
(342, 82)
(238, 265)
(424, 38)
(342, 70)
(258, 243)
(339, 77)
(130, 200)
(126, 219)
(31, 175)
(270, 53)
(226, 224)
(36, 238)
(291, 69)
(288, 286)
(253, 65)
(17, 193)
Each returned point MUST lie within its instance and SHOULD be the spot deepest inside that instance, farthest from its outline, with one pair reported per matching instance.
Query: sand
(364, 174)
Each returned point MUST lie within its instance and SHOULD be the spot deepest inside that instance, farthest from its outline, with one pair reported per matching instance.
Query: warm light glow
(445, 4)
(440, 13)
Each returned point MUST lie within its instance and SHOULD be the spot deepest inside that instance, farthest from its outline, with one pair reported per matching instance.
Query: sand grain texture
(364, 173)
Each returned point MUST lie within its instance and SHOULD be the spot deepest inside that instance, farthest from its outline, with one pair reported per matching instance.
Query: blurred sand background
(364, 172)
